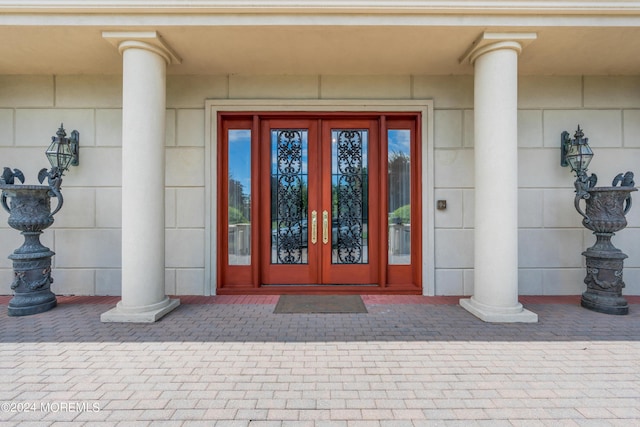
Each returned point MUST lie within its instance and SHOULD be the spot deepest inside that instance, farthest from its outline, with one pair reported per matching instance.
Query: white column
(495, 297)
(145, 58)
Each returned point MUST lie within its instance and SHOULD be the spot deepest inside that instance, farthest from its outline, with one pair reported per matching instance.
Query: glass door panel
(349, 201)
(289, 182)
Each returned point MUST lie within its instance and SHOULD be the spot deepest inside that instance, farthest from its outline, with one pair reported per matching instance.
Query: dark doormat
(320, 304)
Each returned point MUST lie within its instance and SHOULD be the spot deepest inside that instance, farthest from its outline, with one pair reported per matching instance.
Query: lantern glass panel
(59, 154)
(579, 156)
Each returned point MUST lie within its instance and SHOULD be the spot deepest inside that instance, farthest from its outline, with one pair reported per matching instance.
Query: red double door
(320, 215)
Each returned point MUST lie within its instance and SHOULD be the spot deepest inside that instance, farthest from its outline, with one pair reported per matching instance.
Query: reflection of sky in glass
(240, 157)
(399, 141)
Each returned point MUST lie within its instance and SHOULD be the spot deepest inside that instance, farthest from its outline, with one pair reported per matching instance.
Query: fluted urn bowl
(606, 208)
(29, 207)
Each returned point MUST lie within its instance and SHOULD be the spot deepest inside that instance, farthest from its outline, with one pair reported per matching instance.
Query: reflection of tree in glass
(351, 190)
(239, 202)
(399, 169)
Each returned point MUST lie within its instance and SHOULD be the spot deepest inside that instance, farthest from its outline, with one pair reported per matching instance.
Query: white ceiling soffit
(393, 37)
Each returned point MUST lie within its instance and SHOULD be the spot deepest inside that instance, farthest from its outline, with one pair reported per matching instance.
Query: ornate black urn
(606, 208)
(30, 212)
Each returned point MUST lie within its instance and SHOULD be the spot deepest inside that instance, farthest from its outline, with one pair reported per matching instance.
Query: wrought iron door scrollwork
(350, 194)
(288, 177)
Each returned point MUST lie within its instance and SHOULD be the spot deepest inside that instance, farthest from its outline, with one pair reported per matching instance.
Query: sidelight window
(239, 196)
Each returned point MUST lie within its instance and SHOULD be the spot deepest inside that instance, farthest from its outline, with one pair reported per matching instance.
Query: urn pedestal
(30, 212)
(606, 208)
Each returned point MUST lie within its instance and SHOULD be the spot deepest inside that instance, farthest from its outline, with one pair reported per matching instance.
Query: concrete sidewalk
(410, 361)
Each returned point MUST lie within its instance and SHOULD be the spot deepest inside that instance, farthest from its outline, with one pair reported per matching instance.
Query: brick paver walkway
(405, 363)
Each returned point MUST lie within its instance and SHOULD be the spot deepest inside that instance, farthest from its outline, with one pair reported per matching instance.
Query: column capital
(147, 40)
(489, 41)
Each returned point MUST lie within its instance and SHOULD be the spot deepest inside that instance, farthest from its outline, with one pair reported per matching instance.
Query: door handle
(325, 227)
(314, 227)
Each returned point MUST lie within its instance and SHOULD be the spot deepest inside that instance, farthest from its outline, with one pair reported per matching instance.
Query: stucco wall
(86, 234)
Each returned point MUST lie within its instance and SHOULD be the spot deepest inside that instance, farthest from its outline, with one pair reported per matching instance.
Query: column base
(142, 314)
(516, 314)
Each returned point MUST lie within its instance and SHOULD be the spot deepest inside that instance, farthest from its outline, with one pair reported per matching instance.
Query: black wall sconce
(61, 153)
(64, 152)
(577, 154)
